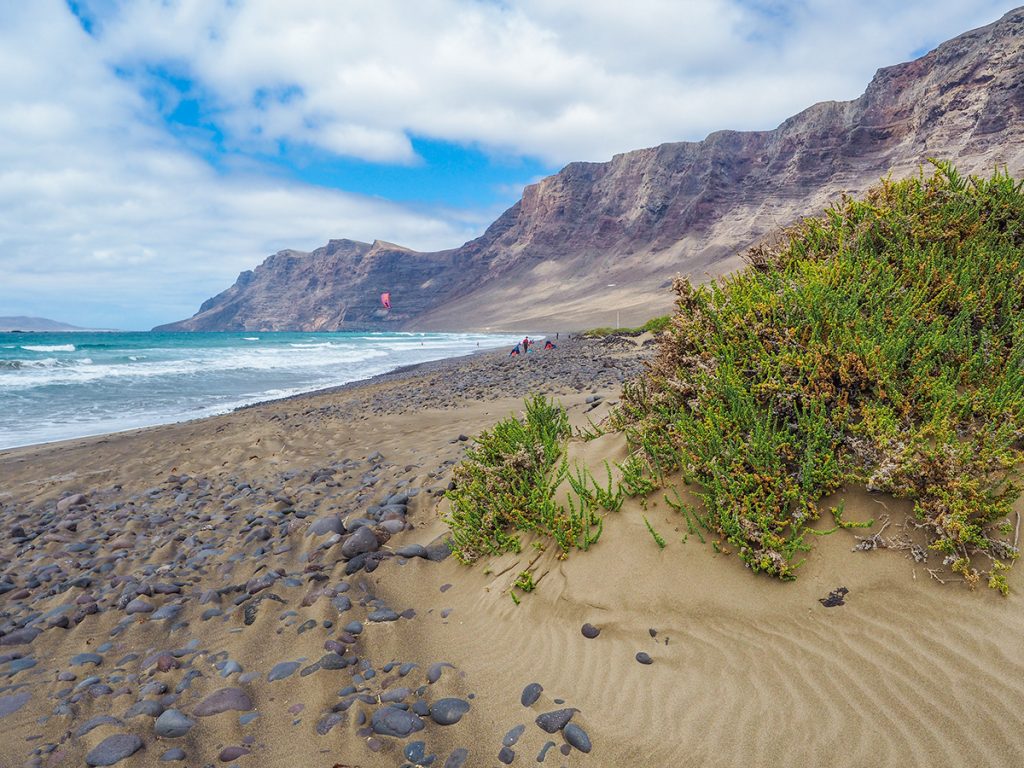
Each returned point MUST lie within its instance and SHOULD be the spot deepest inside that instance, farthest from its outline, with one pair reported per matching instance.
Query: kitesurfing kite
(385, 299)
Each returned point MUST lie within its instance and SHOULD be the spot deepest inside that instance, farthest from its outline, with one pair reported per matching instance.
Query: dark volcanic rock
(530, 694)
(232, 753)
(22, 636)
(448, 711)
(224, 700)
(173, 724)
(391, 721)
(577, 737)
(361, 541)
(114, 749)
(554, 721)
(10, 704)
(590, 631)
(282, 670)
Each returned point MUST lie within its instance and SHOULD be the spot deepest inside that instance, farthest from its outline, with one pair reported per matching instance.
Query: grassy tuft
(506, 486)
(882, 343)
(654, 534)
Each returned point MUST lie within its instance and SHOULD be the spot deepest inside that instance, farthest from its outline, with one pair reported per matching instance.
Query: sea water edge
(66, 385)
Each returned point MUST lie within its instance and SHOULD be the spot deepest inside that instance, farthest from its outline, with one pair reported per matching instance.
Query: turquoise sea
(55, 386)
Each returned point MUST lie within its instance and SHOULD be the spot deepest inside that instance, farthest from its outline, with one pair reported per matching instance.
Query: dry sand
(746, 670)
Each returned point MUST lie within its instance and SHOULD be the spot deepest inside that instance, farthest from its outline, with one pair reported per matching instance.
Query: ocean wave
(17, 365)
(320, 363)
(49, 347)
(250, 338)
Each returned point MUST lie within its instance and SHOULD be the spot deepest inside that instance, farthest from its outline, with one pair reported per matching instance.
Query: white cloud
(102, 210)
(558, 79)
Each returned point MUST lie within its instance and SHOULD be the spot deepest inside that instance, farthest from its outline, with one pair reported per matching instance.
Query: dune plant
(658, 539)
(882, 343)
(506, 486)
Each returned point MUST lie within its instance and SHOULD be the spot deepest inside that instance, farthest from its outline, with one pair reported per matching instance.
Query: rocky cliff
(598, 242)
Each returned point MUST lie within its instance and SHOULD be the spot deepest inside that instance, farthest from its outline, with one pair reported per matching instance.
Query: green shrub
(882, 343)
(506, 486)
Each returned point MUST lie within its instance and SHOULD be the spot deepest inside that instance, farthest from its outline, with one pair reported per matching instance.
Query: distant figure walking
(526, 343)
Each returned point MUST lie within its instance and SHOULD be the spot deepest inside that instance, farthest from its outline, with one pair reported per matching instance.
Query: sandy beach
(272, 588)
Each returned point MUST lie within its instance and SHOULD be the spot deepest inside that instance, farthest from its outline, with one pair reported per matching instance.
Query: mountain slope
(598, 242)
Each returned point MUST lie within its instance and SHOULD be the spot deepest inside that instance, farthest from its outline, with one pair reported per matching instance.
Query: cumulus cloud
(108, 216)
(558, 79)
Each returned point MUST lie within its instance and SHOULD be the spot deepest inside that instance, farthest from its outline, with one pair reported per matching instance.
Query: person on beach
(526, 344)
(549, 345)
(515, 351)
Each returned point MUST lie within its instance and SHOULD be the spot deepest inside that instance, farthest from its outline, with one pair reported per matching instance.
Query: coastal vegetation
(654, 325)
(508, 483)
(881, 344)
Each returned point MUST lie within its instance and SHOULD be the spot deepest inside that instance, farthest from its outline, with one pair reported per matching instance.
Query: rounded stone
(577, 737)
(114, 749)
(224, 700)
(644, 658)
(138, 605)
(448, 711)
(173, 755)
(232, 753)
(530, 694)
(361, 541)
(283, 670)
(173, 724)
(322, 525)
(554, 721)
(391, 721)
(590, 631)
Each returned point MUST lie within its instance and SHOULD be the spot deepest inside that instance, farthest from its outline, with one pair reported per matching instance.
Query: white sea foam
(49, 348)
(149, 380)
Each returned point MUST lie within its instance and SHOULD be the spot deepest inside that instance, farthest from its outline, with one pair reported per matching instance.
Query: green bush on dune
(883, 344)
(507, 485)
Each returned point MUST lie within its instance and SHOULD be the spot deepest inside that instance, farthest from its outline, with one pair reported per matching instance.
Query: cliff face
(597, 242)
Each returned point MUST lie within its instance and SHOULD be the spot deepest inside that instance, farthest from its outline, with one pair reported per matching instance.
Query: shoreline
(405, 369)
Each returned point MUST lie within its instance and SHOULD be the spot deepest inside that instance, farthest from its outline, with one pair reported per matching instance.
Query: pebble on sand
(554, 721)
(590, 631)
(222, 701)
(114, 749)
(577, 737)
(530, 694)
(391, 721)
(173, 724)
(448, 711)
(644, 658)
(10, 704)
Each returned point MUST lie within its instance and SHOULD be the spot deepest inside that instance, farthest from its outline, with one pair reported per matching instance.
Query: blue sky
(151, 150)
